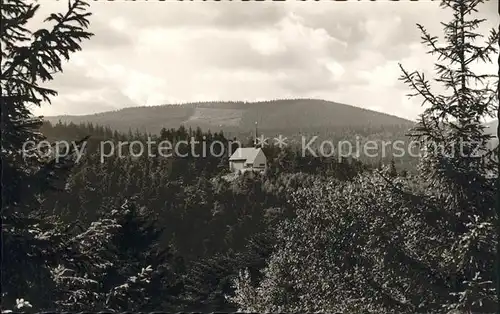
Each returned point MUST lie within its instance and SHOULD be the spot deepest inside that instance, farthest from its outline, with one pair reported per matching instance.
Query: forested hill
(286, 115)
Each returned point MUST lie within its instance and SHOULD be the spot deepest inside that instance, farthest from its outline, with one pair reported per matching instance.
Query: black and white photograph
(235, 156)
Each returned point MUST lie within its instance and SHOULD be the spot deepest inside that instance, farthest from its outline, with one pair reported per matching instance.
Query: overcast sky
(151, 53)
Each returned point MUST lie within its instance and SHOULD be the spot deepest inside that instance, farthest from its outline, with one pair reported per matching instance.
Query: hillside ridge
(300, 113)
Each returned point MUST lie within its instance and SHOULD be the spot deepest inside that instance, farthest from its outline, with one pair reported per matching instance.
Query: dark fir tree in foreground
(28, 58)
(415, 244)
(459, 161)
(48, 264)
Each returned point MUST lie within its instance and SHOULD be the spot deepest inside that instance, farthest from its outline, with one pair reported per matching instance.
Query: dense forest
(196, 214)
(311, 234)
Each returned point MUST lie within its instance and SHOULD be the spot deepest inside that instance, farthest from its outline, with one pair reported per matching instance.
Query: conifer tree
(457, 163)
(136, 245)
(393, 172)
(29, 58)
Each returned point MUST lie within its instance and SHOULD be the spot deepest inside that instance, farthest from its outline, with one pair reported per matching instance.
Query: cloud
(178, 51)
(87, 102)
(110, 34)
(74, 78)
(287, 45)
(226, 15)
